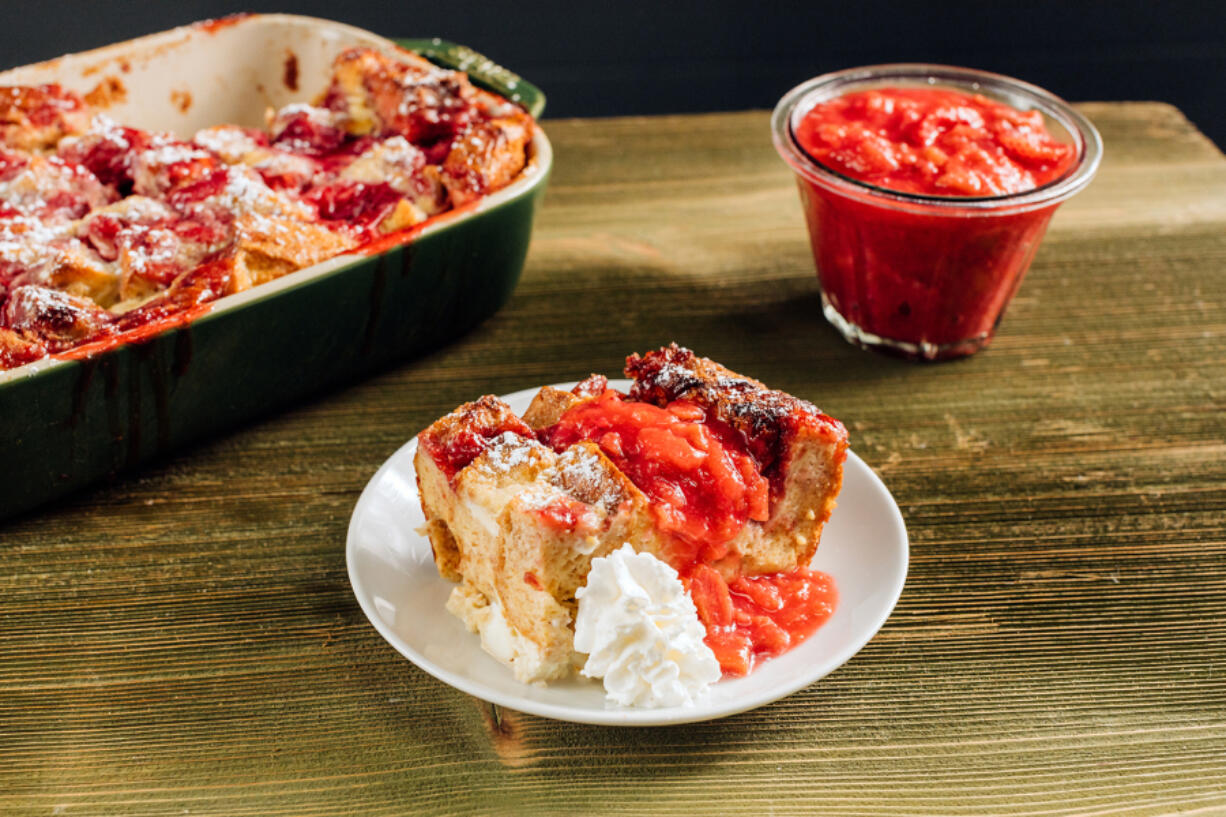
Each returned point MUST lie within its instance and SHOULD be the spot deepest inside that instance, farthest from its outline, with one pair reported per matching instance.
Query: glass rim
(800, 99)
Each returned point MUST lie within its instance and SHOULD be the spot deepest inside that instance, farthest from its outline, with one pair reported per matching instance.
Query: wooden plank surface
(186, 641)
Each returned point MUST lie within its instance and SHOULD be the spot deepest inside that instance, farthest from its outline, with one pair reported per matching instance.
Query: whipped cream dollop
(641, 633)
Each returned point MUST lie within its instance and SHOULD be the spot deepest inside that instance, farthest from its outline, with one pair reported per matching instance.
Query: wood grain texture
(185, 641)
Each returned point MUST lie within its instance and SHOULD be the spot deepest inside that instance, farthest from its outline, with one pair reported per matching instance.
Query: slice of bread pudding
(696, 465)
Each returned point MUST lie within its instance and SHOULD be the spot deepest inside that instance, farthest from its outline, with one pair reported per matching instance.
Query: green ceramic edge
(483, 71)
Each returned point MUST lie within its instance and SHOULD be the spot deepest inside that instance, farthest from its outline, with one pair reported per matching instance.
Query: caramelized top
(767, 419)
(459, 438)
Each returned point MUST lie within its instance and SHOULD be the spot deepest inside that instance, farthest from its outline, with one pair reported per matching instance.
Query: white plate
(864, 547)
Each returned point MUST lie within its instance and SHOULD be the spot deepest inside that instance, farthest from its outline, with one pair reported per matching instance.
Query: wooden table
(186, 641)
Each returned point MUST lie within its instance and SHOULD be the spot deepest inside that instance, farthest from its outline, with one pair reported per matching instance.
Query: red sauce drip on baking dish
(704, 485)
(190, 297)
(138, 334)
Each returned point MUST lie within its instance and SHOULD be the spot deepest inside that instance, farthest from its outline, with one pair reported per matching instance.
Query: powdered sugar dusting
(395, 161)
(230, 142)
(588, 476)
(107, 129)
(509, 452)
(28, 242)
(537, 496)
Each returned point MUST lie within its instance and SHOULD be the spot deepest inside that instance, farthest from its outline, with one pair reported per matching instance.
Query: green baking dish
(68, 423)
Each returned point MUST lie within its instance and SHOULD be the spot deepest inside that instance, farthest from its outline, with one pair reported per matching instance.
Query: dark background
(612, 57)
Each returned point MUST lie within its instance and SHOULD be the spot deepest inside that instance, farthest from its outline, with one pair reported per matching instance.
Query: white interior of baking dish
(230, 71)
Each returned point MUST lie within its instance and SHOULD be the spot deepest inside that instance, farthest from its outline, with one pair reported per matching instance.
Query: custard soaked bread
(109, 231)
(697, 465)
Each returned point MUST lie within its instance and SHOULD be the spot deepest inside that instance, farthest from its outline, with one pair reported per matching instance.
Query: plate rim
(613, 716)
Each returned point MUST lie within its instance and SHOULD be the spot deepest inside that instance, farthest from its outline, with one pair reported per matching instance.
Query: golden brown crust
(548, 407)
(269, 247)
(407, 94)
(486, 157)
(767, 418)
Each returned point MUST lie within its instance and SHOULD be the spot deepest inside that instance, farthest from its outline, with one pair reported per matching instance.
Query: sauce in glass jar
(926, 190)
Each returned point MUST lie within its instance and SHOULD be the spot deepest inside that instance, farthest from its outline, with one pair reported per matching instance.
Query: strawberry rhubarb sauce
(758, 617)
(704, 484)
(933, 141)
(924, 210)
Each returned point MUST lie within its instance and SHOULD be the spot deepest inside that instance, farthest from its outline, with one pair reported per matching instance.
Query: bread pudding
(726, 481)
(109, 231)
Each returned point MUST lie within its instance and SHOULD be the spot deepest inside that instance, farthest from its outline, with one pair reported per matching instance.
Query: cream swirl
(641, 633)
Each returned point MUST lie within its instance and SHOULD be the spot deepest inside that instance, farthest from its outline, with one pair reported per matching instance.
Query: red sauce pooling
(702, 482)
(933, 141)
(759, 617)
(355, 202)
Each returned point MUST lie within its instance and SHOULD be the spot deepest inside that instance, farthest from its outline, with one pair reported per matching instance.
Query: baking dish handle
(481, 69)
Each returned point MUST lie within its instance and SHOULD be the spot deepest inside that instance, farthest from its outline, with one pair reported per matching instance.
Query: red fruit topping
(354, 202)
(306, 130)
(702, 483)
(463, 442)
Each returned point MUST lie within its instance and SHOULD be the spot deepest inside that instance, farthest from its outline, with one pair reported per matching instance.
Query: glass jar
(926, 277)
